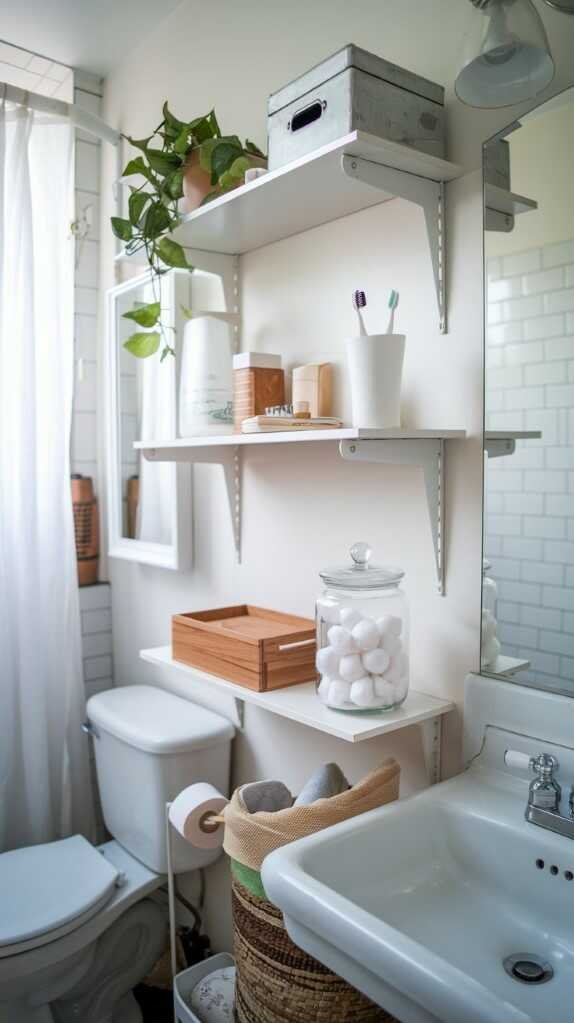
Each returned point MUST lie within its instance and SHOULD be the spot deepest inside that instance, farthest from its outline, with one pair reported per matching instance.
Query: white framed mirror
(149, 503)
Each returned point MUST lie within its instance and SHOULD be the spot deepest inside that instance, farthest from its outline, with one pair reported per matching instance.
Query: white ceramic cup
(375, 368)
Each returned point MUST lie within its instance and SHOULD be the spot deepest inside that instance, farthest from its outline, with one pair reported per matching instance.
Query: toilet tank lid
(156, 721)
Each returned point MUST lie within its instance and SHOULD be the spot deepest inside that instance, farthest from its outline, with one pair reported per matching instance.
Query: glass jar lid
(359, 574)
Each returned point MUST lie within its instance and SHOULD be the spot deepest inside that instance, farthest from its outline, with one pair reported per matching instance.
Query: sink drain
(528, 968)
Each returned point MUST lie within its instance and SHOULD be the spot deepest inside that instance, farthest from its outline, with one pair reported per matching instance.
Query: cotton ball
(490, 651)
(327, 661)
(389, 625)
(338, 693)
(363, 692)
(340, 639)
(391, 644)
(375, 661)
(350, 617)
(398, 668)
(329, 612)
(366, 634)
(401, 689)
(384, 691)
(323, 688)
(351, 668)
(489, 626)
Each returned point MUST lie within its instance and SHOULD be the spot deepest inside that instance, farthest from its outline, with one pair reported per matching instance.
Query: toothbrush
(359, 302)
(393, 303)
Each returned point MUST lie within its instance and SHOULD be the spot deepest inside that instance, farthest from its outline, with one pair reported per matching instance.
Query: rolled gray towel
(328, 780)
(266, 795)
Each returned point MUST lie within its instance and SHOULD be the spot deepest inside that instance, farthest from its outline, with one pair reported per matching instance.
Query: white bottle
(206, 378)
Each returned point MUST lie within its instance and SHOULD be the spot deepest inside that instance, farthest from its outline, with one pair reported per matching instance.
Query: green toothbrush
(393, 303)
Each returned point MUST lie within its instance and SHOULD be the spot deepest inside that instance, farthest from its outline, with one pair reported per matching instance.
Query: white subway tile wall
(530, 495)
(95, 608)
(95, 601)
(84, 449)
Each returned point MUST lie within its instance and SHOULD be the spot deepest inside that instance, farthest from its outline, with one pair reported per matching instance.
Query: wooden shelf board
(300, 703)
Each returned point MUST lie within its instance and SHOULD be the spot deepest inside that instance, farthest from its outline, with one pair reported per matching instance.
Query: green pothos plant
(165, 157)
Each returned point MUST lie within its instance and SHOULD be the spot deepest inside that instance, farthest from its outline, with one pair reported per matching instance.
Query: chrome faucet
(544, 792)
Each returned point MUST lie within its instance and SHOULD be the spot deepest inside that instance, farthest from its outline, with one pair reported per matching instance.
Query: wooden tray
(252, 646)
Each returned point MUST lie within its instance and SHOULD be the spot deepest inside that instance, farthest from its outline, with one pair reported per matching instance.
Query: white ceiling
(89, 34)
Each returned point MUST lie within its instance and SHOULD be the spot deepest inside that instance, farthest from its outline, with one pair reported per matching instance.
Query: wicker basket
(279, 983)
(85, 529)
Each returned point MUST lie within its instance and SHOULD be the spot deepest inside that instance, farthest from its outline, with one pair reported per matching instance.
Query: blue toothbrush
(393, 303)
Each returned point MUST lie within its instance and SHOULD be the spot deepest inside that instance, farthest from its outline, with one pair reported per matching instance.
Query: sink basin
(418, 903)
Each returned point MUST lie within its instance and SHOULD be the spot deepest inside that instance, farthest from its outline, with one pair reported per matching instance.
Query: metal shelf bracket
(429, 195)
(431, 734)
(430, 455)
(496, 447)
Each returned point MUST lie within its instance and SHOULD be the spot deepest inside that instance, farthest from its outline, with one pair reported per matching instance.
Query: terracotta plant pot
(197, 182)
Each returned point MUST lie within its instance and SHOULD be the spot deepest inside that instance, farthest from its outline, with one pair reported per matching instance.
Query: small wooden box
(252, 646)
(255, 388)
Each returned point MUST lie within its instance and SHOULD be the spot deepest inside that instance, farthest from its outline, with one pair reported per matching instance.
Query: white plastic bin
(186, 982)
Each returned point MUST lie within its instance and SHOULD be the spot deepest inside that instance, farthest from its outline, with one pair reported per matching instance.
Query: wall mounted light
(506, 55)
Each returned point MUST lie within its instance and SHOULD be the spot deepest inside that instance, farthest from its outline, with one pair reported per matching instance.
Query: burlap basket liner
(250, 837)
(276, 982)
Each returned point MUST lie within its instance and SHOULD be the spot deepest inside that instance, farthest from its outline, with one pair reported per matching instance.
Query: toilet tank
(149, 745)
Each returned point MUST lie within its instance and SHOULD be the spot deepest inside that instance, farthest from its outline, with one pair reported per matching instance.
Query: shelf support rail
(431, 734)
(429, 453)
(229, 458)
(428, 194)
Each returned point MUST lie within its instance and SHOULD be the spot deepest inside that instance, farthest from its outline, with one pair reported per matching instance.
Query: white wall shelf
(508, 666)
(300, 703)
(174, 450)
(503, 442)
(424, 448)
(343, 177)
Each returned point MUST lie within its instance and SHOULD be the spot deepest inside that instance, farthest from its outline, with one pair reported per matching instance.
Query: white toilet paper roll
(191, 813)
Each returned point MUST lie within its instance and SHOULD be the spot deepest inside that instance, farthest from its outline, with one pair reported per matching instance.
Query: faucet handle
(544, 791)
(544, 764)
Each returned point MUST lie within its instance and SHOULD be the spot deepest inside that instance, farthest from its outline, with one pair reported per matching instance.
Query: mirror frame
(177, 555)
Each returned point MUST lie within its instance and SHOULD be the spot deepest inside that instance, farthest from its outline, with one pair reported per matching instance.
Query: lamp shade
(506, 55)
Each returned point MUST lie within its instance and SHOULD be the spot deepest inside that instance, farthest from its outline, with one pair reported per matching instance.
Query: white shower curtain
(45, 791)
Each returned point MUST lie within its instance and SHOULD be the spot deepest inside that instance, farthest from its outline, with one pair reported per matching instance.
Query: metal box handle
(307, 115)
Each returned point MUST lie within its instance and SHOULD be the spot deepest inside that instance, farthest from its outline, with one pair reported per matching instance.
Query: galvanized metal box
(355, 90)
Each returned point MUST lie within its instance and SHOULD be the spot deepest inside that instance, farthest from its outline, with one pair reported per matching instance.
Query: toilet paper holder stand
(208, 823)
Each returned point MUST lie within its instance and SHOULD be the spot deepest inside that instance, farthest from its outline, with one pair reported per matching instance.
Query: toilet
(78, 929)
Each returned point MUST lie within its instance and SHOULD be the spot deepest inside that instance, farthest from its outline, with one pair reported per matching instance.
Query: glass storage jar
(362, 635)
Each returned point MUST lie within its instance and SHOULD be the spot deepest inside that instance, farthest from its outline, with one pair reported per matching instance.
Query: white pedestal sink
(419, 903)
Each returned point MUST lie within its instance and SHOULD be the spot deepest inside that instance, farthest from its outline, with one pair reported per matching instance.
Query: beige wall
(303, 509)
(542, 158)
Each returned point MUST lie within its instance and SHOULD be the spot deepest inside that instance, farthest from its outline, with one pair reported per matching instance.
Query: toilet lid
(52, 887)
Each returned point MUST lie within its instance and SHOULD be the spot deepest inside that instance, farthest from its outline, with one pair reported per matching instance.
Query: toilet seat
(48, 890)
